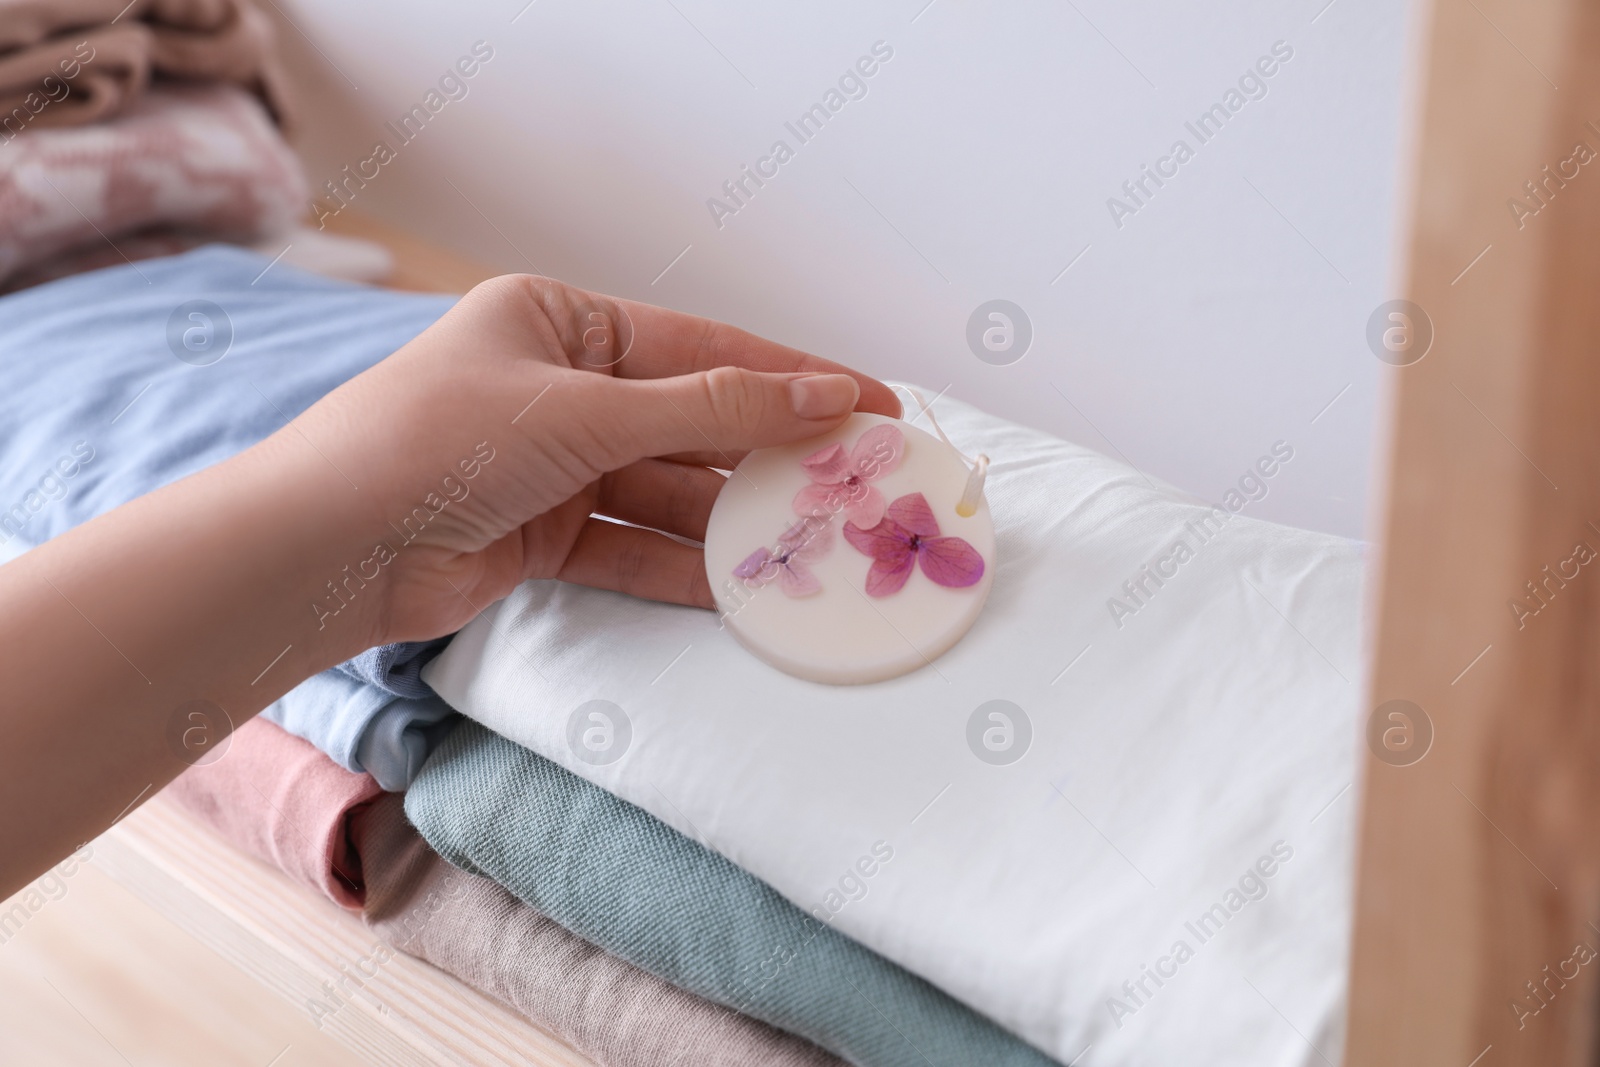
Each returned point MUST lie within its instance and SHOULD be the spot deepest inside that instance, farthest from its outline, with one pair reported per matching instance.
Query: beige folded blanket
(612, 1012)
(71, 62)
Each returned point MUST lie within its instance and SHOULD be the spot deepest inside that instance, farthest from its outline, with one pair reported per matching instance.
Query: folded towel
(279, 799)
(74, 80)
(619, 878)
(198, 158)
(147, 417)
(608, 1010)
(71, 62)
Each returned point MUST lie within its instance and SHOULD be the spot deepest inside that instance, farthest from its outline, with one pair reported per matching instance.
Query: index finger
(666, 343)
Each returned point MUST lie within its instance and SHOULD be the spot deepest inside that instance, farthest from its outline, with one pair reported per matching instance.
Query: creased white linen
(1163, 877)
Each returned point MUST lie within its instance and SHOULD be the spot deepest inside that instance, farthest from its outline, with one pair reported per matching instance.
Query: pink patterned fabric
(205, 160)
(281, 800)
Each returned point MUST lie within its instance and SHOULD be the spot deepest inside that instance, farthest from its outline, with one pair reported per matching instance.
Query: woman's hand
(491, 440)
(395, 508)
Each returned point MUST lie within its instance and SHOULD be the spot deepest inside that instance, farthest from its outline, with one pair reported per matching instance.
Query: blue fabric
(97, 409)
(621, 879)
(363, 727)
(396, 668)
(399, 739)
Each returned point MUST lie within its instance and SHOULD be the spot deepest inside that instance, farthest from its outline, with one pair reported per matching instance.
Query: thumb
(727, 410)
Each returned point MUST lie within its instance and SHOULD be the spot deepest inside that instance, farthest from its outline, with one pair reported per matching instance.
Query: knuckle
(683, 496)
(528, 301)
(713, 343)
(736, 398)
(694, 587)
(511, 288)
(592, 330)
(629, 561)
(722, 345)
(600, 443)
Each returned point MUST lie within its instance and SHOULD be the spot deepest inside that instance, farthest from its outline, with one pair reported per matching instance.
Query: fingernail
(824, 396)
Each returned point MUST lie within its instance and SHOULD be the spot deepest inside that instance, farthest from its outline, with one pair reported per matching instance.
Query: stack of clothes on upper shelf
(773, 871)
(131, 130)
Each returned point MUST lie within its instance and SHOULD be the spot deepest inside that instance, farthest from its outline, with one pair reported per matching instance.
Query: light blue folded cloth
(621, 879)
(116, 382)
(363, 727)
(396, 668)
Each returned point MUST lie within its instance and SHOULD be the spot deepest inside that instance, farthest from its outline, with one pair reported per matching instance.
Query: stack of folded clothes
(131, 130)
(660, 921)
(776, 871)
(282, 800)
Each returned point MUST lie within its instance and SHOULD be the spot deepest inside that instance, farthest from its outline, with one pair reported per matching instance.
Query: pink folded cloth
(283, 801)
(202, 160)
(70, 62)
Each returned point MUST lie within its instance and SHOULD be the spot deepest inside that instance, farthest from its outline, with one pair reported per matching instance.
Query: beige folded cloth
(609, 1010)
(69, 62)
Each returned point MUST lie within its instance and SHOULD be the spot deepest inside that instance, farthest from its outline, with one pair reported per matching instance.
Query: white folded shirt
(1164, 876)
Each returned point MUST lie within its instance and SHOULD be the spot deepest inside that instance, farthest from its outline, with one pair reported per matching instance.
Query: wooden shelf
(420, 266)
(392, 1009)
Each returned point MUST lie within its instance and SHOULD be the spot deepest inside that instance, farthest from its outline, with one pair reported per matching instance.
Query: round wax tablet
(843, 559)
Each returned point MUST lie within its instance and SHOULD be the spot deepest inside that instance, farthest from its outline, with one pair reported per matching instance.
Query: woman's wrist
(390, 535)
(292, 523)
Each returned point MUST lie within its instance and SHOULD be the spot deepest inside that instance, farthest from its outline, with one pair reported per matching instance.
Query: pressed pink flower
(909, 534)
(840, 480)
(801, 545)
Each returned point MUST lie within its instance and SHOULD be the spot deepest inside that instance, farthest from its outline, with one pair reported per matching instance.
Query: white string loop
(972, 495)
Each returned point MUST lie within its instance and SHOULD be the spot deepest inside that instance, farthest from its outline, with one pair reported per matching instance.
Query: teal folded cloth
(620, 879)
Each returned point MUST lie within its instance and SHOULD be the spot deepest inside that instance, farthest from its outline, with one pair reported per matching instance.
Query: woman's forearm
(130, 641)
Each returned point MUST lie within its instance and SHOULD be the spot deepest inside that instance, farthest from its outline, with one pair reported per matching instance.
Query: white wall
(1220, 318)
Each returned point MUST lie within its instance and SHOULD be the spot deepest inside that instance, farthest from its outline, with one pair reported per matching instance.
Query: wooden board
(92, 976)
(1479, 864)
(420, 266)
(313, 955)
